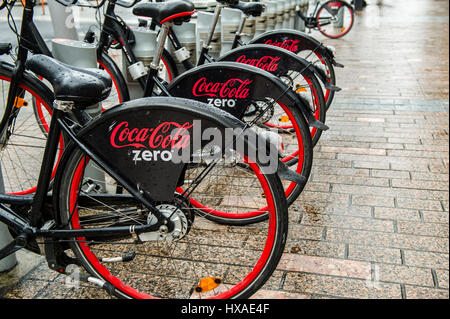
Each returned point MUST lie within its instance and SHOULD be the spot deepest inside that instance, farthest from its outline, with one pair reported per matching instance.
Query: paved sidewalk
(373, 221)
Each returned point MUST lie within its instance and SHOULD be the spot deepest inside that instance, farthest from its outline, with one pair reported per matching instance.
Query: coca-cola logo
(289, 44)
(267, 63)
(167, 135)
(231, 89)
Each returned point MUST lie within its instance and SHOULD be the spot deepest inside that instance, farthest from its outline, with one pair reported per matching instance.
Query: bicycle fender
(275, 60)
(295, 41)
(230, 86)
(138, 140)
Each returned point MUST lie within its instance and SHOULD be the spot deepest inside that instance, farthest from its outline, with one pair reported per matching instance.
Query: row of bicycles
(182, 193)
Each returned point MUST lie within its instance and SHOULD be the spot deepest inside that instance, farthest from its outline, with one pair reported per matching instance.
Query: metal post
(82, 55)
(359, 5)
(62, 20)
(340, 16)
(8, 263)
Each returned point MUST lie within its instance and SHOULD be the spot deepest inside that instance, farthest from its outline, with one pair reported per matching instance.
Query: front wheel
(335, 19)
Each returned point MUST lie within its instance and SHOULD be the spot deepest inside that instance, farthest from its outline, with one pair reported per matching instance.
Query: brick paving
(373, 219)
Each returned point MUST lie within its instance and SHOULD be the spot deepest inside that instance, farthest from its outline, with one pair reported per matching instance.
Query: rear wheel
(205, 260)
(335, 19)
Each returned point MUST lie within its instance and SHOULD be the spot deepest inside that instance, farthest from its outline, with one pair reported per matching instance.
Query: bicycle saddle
(178, 11)
(254, 9)
(84, 87)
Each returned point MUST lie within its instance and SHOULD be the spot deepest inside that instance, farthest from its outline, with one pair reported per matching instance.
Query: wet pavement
(373, 219)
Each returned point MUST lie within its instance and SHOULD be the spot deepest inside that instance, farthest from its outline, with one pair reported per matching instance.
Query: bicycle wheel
(335, 19)
(21, 154)
(204, 260)
(325, 67)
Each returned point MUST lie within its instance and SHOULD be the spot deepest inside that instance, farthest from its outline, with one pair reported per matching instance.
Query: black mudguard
(233, 86)
(158, 124)
(295, 41)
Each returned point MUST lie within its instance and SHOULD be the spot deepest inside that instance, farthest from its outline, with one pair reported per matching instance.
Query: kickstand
(18, 243)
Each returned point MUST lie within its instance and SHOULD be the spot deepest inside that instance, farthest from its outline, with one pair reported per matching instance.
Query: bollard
(82, 55)
(62, 20)
(249, 30)
(292, 14)
(271, 14)
(286, 13)
(229, 26)
(359, 5)
(187, 37)
(280, 15)
(9, 262)
(260, 24)
(340, 16)
(302, 6)
(204, 22)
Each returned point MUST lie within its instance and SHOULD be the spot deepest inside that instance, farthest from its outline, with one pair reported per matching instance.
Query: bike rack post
(300, 24)
(230, 25)
(8, 263)
(292, 13)
(144, 50)
(286, 13)
(280, 15)
(204, 22)
(82, 55)
(62, 20)
(187, 37)
(340, 15)
(271, 14)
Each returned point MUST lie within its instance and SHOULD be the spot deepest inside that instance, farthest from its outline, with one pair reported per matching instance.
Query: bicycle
(333, 19)
(145, 242)
(239, 72)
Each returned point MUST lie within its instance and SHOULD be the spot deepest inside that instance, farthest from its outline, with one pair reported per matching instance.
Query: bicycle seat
(84, 87)
(254, 9)
(177, 11)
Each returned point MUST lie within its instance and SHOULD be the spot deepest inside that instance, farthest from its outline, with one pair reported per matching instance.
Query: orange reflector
(342, 29)
(300, 89)
(207, 284)
(284, 119)
(19, 102)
